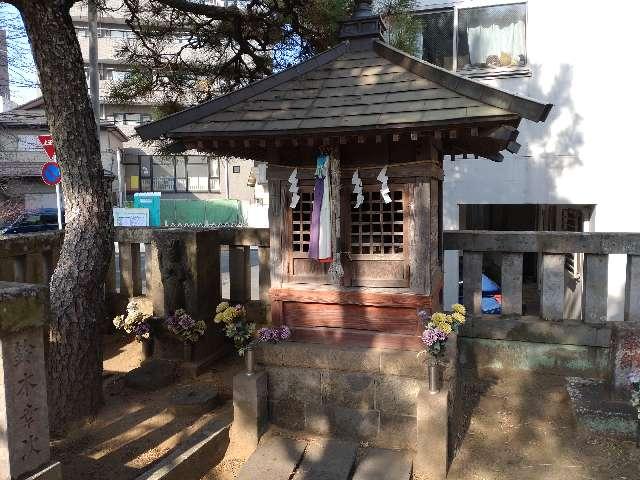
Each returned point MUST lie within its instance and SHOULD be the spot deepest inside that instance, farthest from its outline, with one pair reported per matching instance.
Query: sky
(22, 72)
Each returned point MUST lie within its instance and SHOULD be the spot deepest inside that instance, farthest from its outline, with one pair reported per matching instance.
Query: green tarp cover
(200, 212)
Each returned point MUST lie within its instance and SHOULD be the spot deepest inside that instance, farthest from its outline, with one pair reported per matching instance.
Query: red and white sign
(47, 144)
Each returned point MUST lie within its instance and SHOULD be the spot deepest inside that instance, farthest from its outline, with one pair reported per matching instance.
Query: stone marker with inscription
(24, 423)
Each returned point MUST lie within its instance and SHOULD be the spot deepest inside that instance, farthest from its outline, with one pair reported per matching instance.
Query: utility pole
(94, 80)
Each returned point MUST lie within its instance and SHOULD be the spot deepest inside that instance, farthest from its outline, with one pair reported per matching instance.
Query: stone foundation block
(288, 414)
(352, 423)
(299, 384)
(352, 390)
(250, 407)
(397, 395)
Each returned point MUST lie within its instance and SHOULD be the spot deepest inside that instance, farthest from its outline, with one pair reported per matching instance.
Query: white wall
(582, 60)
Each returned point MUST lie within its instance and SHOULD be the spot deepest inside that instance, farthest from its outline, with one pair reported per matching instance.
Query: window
(377, 227)
(214, 174)
(477, 41)
(192, 173)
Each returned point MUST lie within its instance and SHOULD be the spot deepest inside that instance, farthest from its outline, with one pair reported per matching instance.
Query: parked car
(40, 220)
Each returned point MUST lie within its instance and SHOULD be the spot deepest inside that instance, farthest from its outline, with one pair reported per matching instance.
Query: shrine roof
(348, 89)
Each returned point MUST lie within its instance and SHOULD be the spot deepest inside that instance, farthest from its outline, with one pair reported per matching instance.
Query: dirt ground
(522, 428)
(134, 430)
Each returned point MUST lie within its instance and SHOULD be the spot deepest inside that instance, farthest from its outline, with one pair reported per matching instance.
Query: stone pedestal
(250, 409)
(431, 458)
(24, 423)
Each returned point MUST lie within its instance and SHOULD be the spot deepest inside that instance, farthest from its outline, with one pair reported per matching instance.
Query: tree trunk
(77, 300)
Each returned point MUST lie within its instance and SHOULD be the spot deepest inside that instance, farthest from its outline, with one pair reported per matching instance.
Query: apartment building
(191, 176)
(571, 173)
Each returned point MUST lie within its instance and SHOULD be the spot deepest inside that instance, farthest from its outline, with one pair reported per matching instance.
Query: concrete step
(383, 464)
(596, 409)
(327, 460)
(276, 459)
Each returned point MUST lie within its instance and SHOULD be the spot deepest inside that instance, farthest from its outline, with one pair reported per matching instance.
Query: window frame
(456, 6)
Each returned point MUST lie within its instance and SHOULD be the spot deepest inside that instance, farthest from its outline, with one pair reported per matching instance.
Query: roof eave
(525, 107)
(159, 128)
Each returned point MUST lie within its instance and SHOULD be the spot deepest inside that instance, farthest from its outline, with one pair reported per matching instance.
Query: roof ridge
(528, 108)
(155, 129)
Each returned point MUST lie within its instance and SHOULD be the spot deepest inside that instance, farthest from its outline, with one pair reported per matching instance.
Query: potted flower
(437, 330)
(136, 323)
(238, 329)
(185, 327)
(634, 384)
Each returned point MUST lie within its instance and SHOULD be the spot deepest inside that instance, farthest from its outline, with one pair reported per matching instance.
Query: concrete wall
(581, 154)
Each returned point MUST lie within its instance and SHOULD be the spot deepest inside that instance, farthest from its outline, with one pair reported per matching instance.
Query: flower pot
(250, 361)
(147, 346)
(434, 378)
(188, 352)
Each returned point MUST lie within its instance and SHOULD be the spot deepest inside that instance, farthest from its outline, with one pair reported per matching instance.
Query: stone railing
(170, 266)
(559, 253)
(29, 258)
(182, 266)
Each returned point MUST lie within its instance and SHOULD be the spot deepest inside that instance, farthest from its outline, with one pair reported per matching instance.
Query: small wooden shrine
(366, 127)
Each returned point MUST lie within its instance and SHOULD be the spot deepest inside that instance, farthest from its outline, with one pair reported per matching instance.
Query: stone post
(250, 409)
(24, 423)
(432, 431)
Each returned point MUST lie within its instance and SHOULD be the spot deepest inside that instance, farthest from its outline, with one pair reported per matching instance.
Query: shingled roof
(348, 88)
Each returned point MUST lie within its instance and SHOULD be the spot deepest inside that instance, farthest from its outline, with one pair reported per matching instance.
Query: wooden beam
(378, 138)
(361, 139)
(343, 140)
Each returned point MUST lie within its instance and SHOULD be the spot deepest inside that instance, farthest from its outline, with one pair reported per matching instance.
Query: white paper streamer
(384, 188)
(293, 188)
(357, 189)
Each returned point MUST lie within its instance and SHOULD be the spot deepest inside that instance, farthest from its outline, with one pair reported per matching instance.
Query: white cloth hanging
(324, 241)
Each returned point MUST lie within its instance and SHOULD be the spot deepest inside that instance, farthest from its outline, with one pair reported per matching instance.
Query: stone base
(596, 408)
(556, 359)
(250, 409)
(52, 472)
(353, 393)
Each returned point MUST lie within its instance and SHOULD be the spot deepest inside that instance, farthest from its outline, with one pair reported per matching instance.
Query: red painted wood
(358, 317)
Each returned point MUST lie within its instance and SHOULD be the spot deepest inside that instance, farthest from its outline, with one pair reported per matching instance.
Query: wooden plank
(418, 237)
(350, 296)
(357, 317)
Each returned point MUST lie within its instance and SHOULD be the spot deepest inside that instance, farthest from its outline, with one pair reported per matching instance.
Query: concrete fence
(582, 255)
(170, 266)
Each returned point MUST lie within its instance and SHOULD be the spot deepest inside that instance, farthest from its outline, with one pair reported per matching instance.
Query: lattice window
(377, 227)
(301, 222)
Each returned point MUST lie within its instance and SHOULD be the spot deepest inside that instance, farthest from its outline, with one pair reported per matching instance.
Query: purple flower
(285, 332)
(432, 335)
(423, 315)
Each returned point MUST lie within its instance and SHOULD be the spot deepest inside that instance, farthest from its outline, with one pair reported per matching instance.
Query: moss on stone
(22, 306)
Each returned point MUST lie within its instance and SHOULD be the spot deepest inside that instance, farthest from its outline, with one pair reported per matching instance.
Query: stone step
(276, 459)
(383, 464)
(327, 460)
(595, 409)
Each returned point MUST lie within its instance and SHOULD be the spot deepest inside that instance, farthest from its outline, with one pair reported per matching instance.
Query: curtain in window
(492, 36)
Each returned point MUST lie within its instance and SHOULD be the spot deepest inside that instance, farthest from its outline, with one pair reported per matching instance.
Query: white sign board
(131, 217)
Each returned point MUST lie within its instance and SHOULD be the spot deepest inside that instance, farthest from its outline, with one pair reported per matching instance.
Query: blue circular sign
(51, 174)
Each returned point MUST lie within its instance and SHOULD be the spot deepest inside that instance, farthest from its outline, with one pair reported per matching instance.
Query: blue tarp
(491, 306)
(489, 287)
